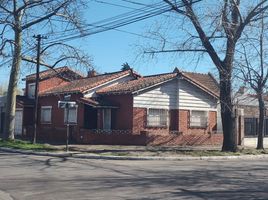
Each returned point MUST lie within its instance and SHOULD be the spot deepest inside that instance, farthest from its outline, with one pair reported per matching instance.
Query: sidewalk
(177, 157)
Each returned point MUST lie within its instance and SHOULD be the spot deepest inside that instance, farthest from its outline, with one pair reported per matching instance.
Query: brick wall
(117, 138)
(123, 115)
(139, 119)
(56, 131)
(179, 122)
(46, 84)
(251, 111)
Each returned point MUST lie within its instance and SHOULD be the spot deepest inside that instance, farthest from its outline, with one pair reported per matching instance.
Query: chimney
(242, 90)
(91, 73)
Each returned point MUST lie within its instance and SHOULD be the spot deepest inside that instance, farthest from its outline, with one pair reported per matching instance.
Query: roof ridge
(48, 70)
(110, 73)
(75, 71)
(195, 73)
(158, 74)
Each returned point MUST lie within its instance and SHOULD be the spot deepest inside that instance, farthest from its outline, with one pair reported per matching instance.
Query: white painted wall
(175, 94)
(252, 142)
(92, 93)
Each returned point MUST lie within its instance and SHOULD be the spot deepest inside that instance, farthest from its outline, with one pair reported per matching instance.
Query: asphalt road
(39, 177)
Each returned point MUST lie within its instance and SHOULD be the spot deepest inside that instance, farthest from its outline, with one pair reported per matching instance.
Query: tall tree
(214, 28)
(254, 70)
(19, 20)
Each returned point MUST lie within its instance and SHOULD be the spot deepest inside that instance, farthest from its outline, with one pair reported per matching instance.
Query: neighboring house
(249, 103)
(178, 108)
(24, 118)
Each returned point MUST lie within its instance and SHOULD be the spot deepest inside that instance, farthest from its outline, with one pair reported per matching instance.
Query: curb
(103, 157)
(30, 152)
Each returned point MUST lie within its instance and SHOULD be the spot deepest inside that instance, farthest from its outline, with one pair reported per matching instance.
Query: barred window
(198, 118)
(157, 117)
(46, 114)
(72, 117)
(251, 126)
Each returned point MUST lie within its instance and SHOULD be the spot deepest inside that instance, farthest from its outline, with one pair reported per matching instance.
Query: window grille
(46, 114)
(72, 118)
(198, 118)
(157, 117)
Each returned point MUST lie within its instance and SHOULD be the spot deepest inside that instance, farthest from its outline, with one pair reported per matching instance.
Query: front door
(18, 122)
(107, 116)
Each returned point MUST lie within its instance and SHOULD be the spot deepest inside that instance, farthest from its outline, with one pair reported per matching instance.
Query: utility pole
(38, 39)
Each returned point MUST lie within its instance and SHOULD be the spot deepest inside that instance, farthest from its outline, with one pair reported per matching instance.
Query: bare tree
(19, 19)
(253, 67)
(213, 28)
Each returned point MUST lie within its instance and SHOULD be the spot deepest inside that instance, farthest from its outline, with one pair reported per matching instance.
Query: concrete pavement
(42, 177)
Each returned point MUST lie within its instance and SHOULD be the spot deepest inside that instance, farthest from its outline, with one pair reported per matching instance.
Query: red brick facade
(90, 137)
(128, 124)
(179, 122)
(46, 84)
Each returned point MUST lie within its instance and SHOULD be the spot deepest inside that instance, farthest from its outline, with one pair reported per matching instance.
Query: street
(28, 177)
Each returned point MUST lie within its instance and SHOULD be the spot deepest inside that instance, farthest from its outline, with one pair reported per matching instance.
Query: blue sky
(111, 49)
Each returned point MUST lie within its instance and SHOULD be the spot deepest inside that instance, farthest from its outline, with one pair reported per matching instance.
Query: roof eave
(145, 88)
(200, 86)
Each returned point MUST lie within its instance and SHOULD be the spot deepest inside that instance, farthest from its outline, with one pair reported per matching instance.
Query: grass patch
(25, 145)
(194, 153)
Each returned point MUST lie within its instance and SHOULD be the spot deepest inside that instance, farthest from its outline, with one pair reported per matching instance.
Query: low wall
(126, 138)
(110, 137)
(252, 142)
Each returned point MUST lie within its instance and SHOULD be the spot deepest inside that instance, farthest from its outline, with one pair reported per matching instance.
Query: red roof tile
(204, 81)
(134, 85)
(63, 72)
(82, 85)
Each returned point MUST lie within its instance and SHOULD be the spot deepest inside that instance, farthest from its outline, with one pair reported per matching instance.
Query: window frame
(109, 112)
(160, 125)
(251, 126)
(41, 118)
(28, 90)
(202, 126)
(76, 113)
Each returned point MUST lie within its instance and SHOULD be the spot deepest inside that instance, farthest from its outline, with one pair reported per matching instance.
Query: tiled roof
(82, 85)
(138, 84)
(203, 81)
(24, 100)
(63, 72)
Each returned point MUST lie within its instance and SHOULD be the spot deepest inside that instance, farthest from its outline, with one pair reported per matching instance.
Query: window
(107, 116)
(31, 90)
(46, 114)
(198, 118)
(251, 126)
(157, 117)
(72, 117)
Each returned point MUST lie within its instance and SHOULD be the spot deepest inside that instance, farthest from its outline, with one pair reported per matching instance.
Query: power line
(119, 21)
(111, 26)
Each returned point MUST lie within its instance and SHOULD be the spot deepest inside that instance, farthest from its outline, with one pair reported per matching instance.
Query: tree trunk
(227, 114)
(261, 122)
(12, 89)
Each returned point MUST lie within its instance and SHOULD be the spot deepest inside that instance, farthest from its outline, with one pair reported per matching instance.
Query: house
(177, 108)
(24, 117)
(249, 104)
